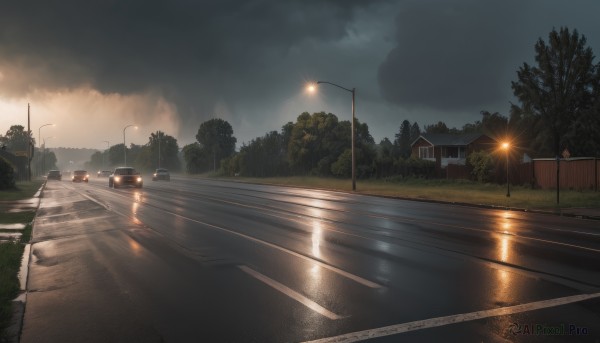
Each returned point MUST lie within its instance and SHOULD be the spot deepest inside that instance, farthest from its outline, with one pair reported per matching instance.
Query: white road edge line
(356, 278)
(291, 293)
(453, 319)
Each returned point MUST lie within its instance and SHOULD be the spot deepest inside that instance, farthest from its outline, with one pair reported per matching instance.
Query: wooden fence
(575, 173)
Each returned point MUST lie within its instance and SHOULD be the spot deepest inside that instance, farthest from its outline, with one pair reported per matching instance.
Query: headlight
(117, 179)
(139, 179)
(87, 176)
(154, 174)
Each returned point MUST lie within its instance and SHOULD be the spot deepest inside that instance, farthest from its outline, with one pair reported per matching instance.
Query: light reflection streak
(317, 235)
(503, 294)
(135, 206)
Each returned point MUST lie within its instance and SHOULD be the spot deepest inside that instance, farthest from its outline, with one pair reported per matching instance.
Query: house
(446, 148)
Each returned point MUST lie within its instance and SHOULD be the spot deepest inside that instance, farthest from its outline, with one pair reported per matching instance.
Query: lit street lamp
(506, 147)
(125, 146)
(312, 88)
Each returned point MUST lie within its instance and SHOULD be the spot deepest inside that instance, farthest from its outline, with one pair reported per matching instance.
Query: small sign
(566, 153)
(21, 153)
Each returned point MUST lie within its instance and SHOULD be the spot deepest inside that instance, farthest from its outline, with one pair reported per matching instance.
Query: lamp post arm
(338, 86)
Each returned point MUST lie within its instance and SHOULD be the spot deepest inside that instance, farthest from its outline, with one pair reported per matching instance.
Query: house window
(426, 152)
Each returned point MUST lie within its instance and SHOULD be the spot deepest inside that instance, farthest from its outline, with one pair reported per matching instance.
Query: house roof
(448, 139)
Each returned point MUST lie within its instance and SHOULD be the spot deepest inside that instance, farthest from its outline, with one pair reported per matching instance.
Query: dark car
(161, 174)
(125, 176)
(54, 175)
(80, 176)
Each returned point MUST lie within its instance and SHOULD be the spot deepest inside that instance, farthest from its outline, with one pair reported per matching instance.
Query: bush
(482, 165)
(7, 175)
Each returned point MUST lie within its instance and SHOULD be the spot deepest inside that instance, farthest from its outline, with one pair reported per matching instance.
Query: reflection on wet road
(202, 260)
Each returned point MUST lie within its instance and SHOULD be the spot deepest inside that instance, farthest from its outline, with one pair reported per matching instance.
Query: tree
(440, 127)
(17, 139)
(7, 175)
(559, 89)
(196, 158)
(403, 139)
(415, 132)
(164, 146)
(316, 141)
(216, 136)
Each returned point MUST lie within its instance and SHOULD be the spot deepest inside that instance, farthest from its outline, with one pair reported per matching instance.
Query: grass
(17, 217)
(11, 252)
(459, 191)
(24, 190)
(10, 262)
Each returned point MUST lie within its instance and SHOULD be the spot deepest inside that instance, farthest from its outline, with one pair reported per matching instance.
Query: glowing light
(311, 88)
(505, 145)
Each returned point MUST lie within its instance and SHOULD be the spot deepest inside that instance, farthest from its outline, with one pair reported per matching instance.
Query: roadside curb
(18, 304)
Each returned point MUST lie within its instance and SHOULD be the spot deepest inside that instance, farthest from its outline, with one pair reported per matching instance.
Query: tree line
(558, 108)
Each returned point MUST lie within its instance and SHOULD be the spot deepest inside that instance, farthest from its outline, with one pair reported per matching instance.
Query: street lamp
(125, 146)
(312, 88)
(103, 158)
(40, 143)
(506, 147)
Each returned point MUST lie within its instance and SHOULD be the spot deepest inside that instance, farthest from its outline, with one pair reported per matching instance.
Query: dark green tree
(559, 91)
(216, 136)
(403, 139)
(17, 139)
(440, 127)
(196, 158)
(415, 132)
(165, 147)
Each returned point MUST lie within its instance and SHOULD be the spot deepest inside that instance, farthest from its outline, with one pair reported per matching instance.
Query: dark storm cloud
(193, 52)
(455, 56)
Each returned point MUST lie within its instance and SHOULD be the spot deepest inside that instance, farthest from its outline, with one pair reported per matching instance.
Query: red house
(445, 148)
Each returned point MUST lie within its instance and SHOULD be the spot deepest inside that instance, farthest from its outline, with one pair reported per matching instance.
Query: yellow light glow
(505, 145)
(311, 88)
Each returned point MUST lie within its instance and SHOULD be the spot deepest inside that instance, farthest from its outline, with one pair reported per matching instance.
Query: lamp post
(103, 158)
(353, 91)
(125, 146)
(506, 147)
(39, 145)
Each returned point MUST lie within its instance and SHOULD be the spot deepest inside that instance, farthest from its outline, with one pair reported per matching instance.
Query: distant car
(104, 173)
(125, 176)
(54, 175)
(80, 176)
(161, 174)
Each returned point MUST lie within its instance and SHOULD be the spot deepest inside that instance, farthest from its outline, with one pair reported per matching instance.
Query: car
(80, 176)
(125, 176)
(104, 173)
(54, 175)
(161, 174)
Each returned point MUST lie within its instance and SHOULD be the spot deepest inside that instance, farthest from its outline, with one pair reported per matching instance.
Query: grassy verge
(24, 190)
(461, 191)
(11, 252)
(10, 262)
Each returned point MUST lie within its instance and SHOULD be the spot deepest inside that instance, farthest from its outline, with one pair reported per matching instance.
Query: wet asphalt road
(195, 260)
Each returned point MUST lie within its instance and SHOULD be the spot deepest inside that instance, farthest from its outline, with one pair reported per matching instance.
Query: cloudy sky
(93, 67)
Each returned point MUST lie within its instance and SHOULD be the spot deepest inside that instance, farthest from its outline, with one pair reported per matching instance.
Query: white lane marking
(356, 278)
(291, 293)
(457, 318)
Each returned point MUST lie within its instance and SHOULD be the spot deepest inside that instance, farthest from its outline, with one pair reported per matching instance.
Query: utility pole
(28, 145)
